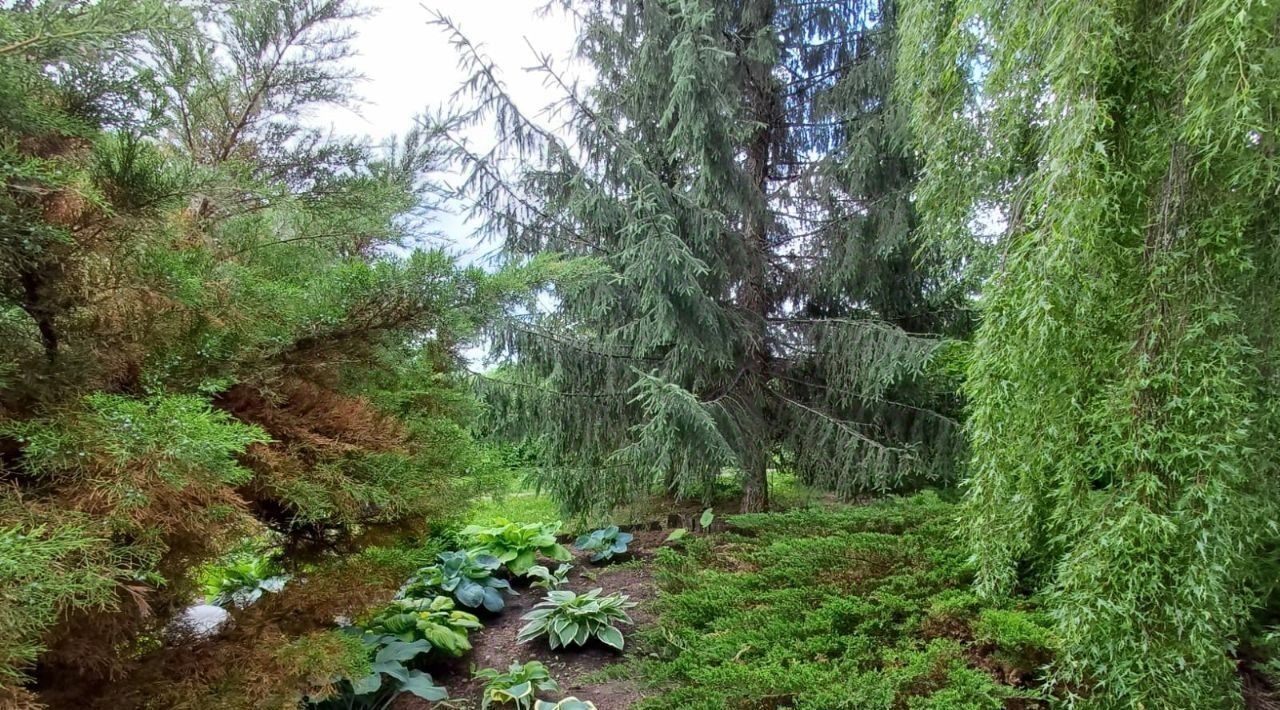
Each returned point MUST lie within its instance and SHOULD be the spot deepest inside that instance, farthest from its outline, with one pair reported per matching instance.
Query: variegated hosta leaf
(569, 619)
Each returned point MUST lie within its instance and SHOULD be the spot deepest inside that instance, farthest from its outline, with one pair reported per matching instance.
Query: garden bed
(576, 670)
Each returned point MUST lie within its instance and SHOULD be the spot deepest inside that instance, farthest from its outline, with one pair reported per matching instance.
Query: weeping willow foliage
(1122, 386)
(733, 212)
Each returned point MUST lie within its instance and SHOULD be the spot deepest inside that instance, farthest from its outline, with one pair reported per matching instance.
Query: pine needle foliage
(1121, 384)
(214, 323)
(741, 279)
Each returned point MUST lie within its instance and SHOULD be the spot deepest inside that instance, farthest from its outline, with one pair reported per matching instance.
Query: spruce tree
(742, 281)
(1122, 384)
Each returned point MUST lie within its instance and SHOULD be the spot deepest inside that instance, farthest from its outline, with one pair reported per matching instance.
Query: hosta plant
(547, 579)
(391, 674)
(434, 620)
(604, 543)
(518, 684)
(566, 704)
(569, 619)
(516, 545)
(466, 576)
(242, 580)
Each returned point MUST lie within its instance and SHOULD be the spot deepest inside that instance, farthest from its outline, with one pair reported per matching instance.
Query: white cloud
(409, 66)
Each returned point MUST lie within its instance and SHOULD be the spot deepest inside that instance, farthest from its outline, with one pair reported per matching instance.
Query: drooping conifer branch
(738, 174)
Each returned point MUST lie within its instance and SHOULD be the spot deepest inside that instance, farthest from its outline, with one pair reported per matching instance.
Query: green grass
(787, 491)
(521, 504)
(822, 608)
(518, 507)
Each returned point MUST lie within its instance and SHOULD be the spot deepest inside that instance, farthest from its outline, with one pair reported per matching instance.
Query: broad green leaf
(493, 601)
(611, 636)
(421, 685)
(395, 669)
(470, 594)
(402, 651)
(367, 684)
(522, 562)
(530, 631)
(569, 632)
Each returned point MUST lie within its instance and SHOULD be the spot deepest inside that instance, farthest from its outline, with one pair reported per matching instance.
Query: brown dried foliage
(304, 415)
(249, 665)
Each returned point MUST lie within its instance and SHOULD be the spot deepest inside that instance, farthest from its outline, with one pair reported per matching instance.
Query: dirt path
(495, 645)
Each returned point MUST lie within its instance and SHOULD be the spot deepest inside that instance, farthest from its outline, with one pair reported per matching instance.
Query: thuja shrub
(35, 557)
(205, 337)
(138, 474)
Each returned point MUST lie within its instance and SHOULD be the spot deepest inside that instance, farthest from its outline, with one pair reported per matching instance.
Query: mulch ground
(495, 645)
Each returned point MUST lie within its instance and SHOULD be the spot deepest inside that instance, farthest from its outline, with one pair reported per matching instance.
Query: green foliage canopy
(1122, 381)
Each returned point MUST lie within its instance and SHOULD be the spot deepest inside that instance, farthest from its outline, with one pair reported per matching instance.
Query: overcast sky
(409, 66)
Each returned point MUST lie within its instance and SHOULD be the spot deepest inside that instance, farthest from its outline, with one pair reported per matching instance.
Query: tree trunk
(35, 303)
(761, 103)
(755, 487)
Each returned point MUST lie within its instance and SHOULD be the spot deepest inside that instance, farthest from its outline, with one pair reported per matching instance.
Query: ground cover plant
(242, 579)
(518, 685)
(547, 578)
(569, 619)
(434, 620)
(390, 673)
(468, 576)
(566, 704)
(864, 607)
(518, 546)
(604, 544)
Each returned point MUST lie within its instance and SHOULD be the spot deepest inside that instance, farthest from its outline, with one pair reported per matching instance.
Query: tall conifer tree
(736, 197)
